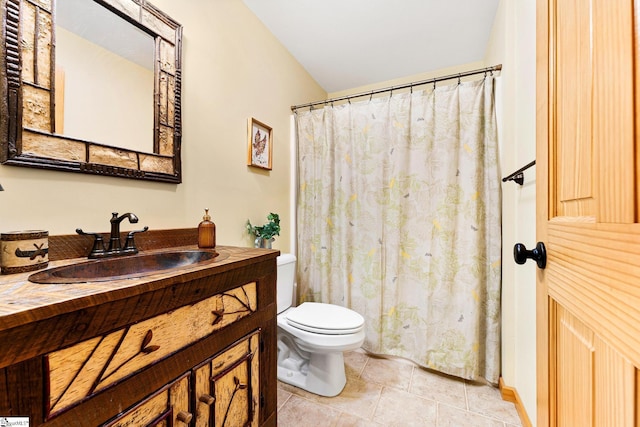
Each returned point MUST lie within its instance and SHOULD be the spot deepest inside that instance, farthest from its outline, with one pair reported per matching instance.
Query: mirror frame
(27, 106)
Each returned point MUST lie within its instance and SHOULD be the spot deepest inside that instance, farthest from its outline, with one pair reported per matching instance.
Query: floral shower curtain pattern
(399, 219)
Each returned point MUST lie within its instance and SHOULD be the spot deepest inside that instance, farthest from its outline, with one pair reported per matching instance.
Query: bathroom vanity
(194, 345)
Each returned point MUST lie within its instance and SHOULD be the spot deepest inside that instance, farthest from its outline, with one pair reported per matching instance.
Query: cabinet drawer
(80, 371)
(168, 407)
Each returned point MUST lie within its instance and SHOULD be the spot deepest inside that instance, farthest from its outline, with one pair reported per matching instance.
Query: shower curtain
(398, 218)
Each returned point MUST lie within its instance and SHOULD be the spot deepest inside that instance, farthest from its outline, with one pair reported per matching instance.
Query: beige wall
(233, 69)
(513, 44)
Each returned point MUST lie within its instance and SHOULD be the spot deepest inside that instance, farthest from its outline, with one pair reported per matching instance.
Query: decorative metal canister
(22, 251)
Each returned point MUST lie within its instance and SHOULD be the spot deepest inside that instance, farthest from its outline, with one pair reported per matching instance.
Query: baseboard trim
(510, 394)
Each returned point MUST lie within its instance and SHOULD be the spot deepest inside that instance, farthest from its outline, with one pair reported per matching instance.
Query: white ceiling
(345, 44)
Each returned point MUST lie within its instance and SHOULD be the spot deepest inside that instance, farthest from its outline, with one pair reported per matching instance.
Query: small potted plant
(264, 234)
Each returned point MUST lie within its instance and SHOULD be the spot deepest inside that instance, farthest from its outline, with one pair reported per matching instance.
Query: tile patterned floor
(392, 392)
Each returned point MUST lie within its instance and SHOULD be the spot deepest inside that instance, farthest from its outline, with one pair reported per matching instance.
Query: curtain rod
(404, 86)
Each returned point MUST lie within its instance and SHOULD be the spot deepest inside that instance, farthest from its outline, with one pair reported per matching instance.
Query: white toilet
(312, 337)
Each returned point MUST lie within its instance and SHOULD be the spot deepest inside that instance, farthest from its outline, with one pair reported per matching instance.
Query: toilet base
(319, 373)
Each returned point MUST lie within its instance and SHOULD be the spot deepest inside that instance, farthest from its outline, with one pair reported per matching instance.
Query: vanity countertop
(23, 302)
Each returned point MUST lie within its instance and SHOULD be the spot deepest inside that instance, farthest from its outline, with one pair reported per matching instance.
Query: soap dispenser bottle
(206, 232)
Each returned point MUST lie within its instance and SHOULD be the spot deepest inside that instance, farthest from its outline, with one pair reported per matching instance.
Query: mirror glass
(92, 87)
(103, 64)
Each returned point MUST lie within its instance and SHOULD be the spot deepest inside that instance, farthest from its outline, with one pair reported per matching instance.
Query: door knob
(538, 254)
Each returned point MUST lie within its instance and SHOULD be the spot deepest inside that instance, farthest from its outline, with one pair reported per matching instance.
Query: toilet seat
(326, 319)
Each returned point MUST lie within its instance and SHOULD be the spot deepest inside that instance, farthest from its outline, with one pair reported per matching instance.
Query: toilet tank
(285, 281)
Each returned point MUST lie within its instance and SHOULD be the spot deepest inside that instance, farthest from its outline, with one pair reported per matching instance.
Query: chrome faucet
(115, 249)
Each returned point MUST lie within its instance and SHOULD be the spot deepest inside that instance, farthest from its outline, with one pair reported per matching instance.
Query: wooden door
(588, 297)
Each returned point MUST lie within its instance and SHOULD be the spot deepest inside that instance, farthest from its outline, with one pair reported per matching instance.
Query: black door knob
(538, 254)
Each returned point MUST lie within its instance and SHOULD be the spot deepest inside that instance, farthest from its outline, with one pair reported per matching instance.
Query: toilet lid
(328, 319)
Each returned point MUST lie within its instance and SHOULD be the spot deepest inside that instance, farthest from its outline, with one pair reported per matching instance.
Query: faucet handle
(98, 243)
(129, 244)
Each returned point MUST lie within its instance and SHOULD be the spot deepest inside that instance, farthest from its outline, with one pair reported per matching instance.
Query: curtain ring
(371, 96)
(349, 101)
(458, 78)
(434, 84)
(411, 89)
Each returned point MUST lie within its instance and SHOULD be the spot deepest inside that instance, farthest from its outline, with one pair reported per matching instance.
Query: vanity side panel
(267, 302)
(22, 390)
(5, 406)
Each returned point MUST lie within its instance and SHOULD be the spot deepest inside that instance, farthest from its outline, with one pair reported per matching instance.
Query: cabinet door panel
(167, 407)
(227, 386)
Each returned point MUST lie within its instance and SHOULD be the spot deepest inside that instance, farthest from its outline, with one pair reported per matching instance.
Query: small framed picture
(260, 145)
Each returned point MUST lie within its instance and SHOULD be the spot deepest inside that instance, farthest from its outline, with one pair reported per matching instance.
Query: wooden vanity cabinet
(198, 349)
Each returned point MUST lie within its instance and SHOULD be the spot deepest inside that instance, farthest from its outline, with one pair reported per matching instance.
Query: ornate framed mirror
(41, 124)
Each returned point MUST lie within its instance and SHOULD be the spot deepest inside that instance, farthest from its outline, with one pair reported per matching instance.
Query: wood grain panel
(99, 408)
(613, 109)
(28, 19)
(35, 143)
(574, 148)
(575, 365)
(36, 113)
(21, 386)
(588, 297)
(204, 400)
(179, 394)
(615, 385)
(89, 367)
(597, 280)
(44, 43)
(234, 383)
(168, 402)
